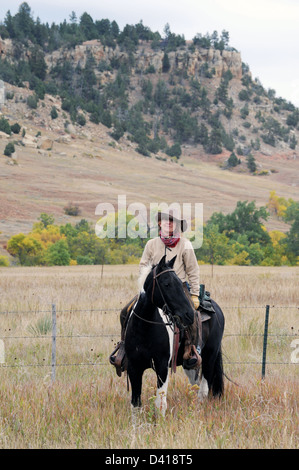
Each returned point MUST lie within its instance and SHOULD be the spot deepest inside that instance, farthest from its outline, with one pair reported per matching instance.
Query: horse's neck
(145, 308)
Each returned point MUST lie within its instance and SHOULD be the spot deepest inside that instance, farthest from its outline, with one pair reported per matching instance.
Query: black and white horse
(149, 341)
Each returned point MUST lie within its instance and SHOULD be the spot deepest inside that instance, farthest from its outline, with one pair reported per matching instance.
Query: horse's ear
(162, 261)
(171, 262)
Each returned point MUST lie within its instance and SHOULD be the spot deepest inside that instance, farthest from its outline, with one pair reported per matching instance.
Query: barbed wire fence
(265, 334)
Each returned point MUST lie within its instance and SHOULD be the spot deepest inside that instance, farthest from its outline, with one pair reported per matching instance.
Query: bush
(58, 254)
(174, 150)
(4, 126)
(9, 149)
(16, 128)
(81, 120)
(251, 163)
(82, 260)
(233, 160)
(244, 95)
(269, 139)
(32, 101)
(244, 111)
(66, 105)
(4, 261)
(71, 209)
(54, 113)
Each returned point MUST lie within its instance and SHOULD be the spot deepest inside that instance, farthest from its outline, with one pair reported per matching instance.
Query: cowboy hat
(173, 214)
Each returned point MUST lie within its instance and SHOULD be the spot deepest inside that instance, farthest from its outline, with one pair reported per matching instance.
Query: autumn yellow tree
(278, 205)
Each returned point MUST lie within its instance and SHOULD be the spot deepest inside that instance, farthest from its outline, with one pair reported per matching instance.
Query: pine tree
(251, 163)
(233, 160)
(165, 63)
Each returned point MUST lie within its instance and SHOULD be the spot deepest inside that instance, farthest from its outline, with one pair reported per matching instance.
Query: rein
(152, 322)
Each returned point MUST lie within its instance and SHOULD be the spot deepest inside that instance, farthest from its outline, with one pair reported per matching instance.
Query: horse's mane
(144, 272)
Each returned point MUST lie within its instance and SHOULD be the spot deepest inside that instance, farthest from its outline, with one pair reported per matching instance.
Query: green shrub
(71, 209)
(233, 160)
(16, 128)
(9, 149)
(82, 260)
(9, 95)
(32, 101)
(244, 95)
(54, 113)
(58, 254)
(251, 163)
(174, 150)
(4, 261)
(81, 120)
(4, 126)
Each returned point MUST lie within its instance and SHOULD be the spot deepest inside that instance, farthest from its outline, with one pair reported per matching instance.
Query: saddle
(205, 304)
(118, 357)
(203, 316)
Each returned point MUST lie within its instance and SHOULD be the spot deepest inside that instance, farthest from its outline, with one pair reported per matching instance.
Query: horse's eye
(166, 284)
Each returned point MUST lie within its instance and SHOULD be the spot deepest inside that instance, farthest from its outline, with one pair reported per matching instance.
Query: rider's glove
(195, 301)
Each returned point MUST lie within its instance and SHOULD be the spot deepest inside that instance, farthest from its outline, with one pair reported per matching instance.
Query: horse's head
(166, 291)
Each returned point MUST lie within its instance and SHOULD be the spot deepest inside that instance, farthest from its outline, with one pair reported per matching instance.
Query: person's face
(167, 227)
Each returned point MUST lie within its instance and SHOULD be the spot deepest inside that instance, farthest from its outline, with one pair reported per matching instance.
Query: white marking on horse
(203, 389)
(161, 398)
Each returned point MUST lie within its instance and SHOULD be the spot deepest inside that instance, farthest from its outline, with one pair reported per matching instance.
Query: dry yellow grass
(88, 406)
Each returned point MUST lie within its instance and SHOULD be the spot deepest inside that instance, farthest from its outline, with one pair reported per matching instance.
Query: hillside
(155, 123)
(85, 166)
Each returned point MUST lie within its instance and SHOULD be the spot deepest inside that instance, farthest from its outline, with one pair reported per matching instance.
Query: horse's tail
(218, 378)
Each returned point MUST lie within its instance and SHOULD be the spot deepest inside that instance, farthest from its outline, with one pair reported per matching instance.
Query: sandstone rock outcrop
(182, 59)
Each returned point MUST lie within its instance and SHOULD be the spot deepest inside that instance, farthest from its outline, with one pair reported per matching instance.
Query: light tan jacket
(185, 266)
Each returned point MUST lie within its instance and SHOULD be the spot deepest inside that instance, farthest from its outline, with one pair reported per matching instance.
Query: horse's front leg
(197, 378)
(162, 372)
(135, 377)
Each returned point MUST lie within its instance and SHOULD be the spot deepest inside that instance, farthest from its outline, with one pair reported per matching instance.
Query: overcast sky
(264, 31)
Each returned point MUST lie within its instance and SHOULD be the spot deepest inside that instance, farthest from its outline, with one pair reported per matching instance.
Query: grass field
(88, 406)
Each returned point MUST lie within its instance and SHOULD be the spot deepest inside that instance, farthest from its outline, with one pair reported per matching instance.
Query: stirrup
(118, 360)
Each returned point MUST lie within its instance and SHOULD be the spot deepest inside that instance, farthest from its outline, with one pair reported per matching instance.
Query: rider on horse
(170, 243)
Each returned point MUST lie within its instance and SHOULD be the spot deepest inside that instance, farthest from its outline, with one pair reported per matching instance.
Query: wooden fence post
(265, 341)
(53, 360)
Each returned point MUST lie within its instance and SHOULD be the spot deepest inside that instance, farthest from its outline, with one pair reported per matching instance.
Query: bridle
(155, 281)
(172, 319)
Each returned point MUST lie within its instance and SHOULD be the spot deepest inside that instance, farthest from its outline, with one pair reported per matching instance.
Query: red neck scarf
(170, 241)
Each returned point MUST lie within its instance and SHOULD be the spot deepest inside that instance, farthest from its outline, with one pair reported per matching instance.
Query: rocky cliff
(185, 59)
(248, 119)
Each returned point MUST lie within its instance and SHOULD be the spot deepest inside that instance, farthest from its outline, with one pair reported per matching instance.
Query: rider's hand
(195, 301)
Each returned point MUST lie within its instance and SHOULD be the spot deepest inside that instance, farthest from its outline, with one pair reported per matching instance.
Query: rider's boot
(118, 357)
(192, 352)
